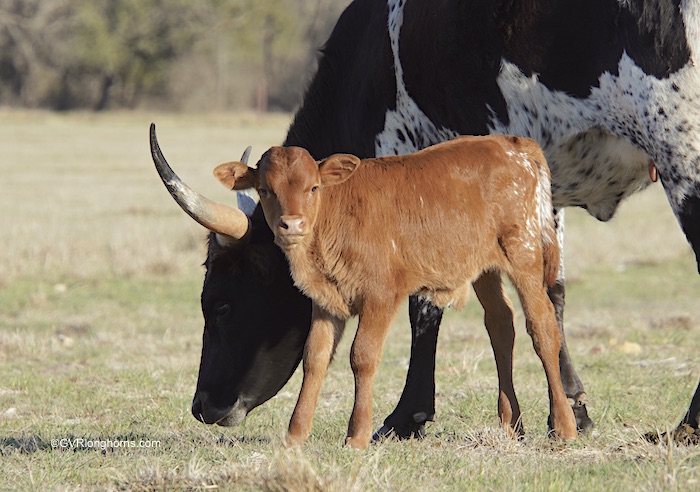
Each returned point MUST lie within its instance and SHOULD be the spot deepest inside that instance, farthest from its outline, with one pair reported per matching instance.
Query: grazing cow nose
(197, 406)
(292, 224)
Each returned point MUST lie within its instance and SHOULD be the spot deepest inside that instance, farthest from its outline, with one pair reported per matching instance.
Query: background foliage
(174, 54)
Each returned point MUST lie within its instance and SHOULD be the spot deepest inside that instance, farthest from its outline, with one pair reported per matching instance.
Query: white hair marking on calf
(544, 205)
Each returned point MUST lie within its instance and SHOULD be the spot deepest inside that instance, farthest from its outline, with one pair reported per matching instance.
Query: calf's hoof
(294, 441)
(357, 442)
(578, 404)
(516, 432)
(564, 433)
(413, 428)
(564, 428)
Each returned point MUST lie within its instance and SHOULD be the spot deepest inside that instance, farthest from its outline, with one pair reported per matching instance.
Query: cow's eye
(314, 189)
(223, 310)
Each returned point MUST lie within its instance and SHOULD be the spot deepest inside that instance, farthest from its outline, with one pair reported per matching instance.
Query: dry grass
(82, 197)
(100, 333)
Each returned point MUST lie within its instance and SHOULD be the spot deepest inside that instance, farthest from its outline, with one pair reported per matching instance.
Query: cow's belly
(596, 170)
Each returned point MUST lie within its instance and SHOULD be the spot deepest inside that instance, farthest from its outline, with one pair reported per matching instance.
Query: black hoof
(583, 422)
(414, 429)
(684, 434)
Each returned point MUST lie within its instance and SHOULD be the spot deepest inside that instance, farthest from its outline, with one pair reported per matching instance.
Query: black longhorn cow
(607, 87)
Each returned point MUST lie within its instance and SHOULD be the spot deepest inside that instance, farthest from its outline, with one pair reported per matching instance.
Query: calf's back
(428, 222)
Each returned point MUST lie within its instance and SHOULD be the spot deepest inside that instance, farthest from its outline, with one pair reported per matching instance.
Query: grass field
(100, 336)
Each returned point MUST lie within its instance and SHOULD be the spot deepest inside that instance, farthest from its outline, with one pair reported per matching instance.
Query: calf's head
(290, 184)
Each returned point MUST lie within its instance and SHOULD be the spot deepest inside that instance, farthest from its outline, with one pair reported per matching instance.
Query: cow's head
(290, 183)
(255, 320)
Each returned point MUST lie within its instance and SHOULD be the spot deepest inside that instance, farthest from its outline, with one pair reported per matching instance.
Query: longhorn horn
(222, 219)
(246, 155)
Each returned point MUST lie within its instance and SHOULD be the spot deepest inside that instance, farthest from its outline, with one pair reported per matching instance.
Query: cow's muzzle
(206, 412)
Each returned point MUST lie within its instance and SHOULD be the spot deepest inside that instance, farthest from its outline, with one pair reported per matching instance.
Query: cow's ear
(236, 175)
(337, 168)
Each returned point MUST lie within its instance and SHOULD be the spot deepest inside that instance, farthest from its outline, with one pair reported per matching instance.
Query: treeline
(174, 54)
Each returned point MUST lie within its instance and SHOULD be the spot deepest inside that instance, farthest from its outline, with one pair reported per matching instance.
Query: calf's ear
(236, 175)
(337, 168)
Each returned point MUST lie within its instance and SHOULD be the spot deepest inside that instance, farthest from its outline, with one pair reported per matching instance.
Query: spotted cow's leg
(688, 431)
(572, 383)
(693, 416)
(417, 403)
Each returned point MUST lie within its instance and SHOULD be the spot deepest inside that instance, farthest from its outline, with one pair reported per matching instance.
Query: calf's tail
(548, 231)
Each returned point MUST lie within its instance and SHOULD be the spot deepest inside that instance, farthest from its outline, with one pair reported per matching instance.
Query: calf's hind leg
(542, 328)
(498, 318)
(527, 266)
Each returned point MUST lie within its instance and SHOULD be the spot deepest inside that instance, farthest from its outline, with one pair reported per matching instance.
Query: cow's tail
(548, 230)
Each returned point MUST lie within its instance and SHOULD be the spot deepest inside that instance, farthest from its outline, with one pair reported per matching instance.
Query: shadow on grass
(34, 443)
(23, 445)
(233, 441)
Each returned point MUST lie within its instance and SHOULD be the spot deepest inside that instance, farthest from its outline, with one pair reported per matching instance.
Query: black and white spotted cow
(607, 87)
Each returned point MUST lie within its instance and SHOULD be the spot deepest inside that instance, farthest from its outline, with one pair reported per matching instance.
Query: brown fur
(361, 236)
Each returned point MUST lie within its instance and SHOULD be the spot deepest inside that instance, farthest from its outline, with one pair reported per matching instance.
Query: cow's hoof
(414, 429)
(583, 422)
(387, 432)
(684, 434)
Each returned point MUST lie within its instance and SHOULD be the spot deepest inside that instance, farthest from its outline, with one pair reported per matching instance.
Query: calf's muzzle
(292, 225)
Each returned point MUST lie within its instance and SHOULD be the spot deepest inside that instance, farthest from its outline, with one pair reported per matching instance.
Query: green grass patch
(100, 339)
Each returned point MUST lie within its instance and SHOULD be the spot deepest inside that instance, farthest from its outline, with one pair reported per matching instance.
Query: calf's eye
(263, 193)
(314, 189)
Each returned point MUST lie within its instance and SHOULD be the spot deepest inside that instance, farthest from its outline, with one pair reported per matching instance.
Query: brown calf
(361, 236)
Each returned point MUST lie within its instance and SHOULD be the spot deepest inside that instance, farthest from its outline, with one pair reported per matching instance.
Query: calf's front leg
(365, 356)
(323, 338)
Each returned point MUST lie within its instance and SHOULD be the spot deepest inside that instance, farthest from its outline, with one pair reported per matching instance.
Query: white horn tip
(247, 201)
(246, 155)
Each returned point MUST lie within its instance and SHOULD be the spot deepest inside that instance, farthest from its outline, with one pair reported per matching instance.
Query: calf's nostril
(292, 225)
